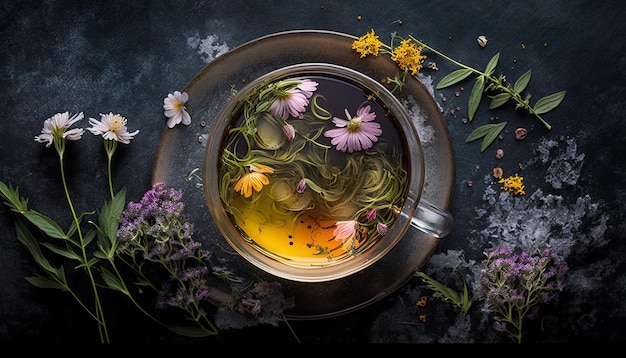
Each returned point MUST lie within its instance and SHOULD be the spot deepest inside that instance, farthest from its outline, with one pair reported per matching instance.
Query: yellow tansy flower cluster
(409, 56)
(513, 185)
(367, 44)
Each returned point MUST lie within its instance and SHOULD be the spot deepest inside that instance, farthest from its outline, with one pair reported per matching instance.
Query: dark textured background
(124, 57)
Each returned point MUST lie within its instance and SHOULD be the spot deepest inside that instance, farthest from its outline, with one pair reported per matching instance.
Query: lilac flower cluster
(156, 230)
(155, 241)
(515, 285)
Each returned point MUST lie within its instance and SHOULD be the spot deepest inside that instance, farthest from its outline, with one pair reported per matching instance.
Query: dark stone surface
(125, 57)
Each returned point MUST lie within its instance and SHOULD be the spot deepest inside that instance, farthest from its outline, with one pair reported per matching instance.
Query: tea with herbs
(312, 169)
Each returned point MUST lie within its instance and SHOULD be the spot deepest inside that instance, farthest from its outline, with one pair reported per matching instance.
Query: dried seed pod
(499, 153)
(497, 172)
(482, 40)
(520, 133)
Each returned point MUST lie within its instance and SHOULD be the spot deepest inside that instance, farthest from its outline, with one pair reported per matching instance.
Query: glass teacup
(315, 171)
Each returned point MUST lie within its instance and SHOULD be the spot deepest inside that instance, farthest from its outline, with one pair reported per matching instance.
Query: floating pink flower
(355, 133)
(301, 187)
(290, 132)
(345, 230)
(293, 100)
(381, 228)
(371, 214)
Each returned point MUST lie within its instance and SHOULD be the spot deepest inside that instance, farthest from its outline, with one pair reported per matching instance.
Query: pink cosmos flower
(56, 128)
(345, 230)
(355, 133)
(294, 100)
(111, 127)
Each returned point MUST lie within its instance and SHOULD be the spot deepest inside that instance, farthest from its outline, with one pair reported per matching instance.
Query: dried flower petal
(381, 228)
(482, 40)
(520, 133)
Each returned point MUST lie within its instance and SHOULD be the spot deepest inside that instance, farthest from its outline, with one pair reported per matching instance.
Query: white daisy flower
(56, 128)
(174, 106)
(111, 127)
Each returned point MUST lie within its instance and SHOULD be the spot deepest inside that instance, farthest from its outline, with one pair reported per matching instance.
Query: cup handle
(432, 219)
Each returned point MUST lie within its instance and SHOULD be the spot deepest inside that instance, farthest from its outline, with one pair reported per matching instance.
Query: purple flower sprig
(514, 285)
(156, 237)
(155, 241)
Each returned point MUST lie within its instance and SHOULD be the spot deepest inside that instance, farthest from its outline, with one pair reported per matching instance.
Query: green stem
(290, 328)
(104, 336)
(490, 78)
(130, 296)
(110, 146)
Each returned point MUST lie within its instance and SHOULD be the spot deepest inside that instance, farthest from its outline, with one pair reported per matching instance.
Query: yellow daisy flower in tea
(255, 179)
(367, 44)
(409, 56)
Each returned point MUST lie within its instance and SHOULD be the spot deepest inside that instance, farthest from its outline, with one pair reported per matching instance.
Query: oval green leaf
(62, 251)
(521, 82)
(45, 224)
(475, 97)
(498, 100)
(491, 66)
(492, 135)
(489, 132)
(454, 77)
(45, 282)
(113, 281)
(548, 103)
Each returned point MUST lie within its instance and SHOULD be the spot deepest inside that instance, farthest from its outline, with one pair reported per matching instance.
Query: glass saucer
(180, 150)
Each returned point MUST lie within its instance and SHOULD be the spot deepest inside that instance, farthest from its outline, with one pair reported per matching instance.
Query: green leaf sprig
(486, 81)
(461, 301)
(489, 132)
(498, 89)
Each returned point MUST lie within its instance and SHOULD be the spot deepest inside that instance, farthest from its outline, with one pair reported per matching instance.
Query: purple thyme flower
(514, 285)
(156, 231)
